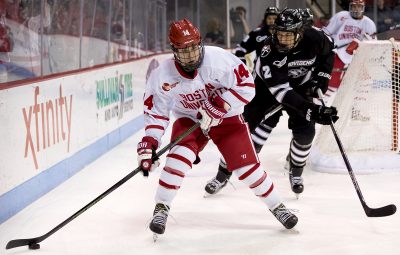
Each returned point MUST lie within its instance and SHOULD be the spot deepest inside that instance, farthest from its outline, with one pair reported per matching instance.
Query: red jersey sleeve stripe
(238, 96)
(154, 126)
(181, 158)
(251, 85)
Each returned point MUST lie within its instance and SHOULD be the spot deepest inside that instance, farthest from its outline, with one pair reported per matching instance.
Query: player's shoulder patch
(265, 50)
(168, 86)
(261, 38)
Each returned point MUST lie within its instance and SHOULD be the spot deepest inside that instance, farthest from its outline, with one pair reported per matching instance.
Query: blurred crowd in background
(43, 37)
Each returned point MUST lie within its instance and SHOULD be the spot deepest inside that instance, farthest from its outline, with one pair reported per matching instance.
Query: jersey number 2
(267, 72)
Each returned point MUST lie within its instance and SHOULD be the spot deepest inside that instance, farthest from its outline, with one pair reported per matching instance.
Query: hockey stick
(272, 112)
(370, 212)
(33, 243)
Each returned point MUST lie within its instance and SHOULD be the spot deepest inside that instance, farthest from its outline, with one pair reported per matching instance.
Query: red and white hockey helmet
(357, 8)
(186, 43)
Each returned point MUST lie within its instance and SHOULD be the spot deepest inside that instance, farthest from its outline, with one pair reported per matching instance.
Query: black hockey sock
(296, 171)
(223, 174)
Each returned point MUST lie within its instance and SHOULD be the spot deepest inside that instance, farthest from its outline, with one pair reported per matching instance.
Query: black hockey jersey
(254, 41)
(288, 76)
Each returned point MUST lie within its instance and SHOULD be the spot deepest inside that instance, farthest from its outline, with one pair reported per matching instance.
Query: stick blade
(381, 212)
(20, 242)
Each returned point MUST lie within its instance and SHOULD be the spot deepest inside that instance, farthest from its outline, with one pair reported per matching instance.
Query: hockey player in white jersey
(210, 85)
(347, 28)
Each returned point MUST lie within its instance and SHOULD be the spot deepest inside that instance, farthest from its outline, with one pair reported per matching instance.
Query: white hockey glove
(146, 149)
(212, 111)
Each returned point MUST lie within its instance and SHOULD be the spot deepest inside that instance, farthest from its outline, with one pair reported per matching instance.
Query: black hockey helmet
(288, 21)
(307, 16)
(270, 11)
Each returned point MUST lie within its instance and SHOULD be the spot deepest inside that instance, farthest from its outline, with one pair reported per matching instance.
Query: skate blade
(297, 195)
(155, 237)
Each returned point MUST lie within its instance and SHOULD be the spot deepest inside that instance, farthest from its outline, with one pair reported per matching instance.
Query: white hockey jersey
(168, 89)
(343, 29)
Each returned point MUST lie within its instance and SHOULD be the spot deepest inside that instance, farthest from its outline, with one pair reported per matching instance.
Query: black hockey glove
(241, 55)
(312, 87)
(320, 81)
(321, 114)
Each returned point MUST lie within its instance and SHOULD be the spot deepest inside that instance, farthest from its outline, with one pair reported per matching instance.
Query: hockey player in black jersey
(293, 64)
(264, 128)
(254, 41)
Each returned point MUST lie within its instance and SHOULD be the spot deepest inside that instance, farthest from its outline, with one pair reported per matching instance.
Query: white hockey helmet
(357, 8)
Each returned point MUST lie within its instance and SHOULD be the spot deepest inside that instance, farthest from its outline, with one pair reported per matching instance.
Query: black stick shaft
(370, 212)
(23, 242)
(346, 160)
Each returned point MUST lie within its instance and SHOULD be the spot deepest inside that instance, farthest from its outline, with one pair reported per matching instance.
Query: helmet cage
(357, 14)
(189, 58)
(286, 47)
(186, 43)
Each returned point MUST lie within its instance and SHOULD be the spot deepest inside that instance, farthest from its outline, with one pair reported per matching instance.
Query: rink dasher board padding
(53, 127)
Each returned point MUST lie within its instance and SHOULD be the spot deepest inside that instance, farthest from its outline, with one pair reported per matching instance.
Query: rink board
(52, 128)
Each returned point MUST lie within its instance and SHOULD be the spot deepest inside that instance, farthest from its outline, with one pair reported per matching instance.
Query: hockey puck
(34, 246)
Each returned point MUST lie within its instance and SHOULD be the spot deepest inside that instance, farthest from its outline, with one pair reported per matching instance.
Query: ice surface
(331, 219)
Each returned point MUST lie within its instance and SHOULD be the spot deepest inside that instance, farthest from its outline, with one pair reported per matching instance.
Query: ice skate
(159, 220)
(296, 181)
(217, 183)
(287, 218)
(214, 186)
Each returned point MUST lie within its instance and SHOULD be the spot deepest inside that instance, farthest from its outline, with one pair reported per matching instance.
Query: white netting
(367, 103)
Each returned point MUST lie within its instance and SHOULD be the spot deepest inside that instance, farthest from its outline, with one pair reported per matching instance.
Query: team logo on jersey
(281, 63)
(265, 50)
(296, 73)
(307, 62)
(261, 38)
(168, 87)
